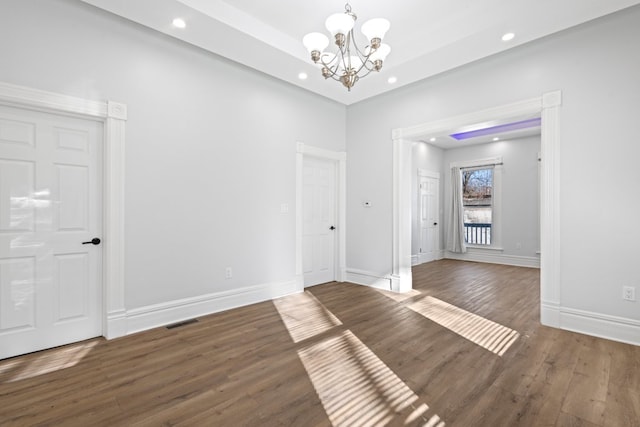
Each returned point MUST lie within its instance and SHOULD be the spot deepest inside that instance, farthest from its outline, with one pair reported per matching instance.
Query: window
(477, 200)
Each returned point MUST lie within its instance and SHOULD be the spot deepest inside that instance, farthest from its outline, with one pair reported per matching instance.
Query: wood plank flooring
(340, 354)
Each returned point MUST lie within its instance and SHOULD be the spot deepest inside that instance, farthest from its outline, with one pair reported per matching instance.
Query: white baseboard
(368, 278)
(598, 325)
(153, 316)
(116, 325)
(550, 313)
(421, 258)
(489, 256)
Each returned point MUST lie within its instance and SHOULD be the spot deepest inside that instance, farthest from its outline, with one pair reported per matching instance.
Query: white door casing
(50, 202)
(113, 116)
(428, 221)
(318, 221)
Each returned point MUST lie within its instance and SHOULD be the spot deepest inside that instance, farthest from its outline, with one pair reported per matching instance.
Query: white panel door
(319, 221)
(429, 227)
(50, 203)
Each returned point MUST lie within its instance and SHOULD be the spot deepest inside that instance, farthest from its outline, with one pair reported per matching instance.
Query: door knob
(332, 228)
(94, 241)
(435, 223)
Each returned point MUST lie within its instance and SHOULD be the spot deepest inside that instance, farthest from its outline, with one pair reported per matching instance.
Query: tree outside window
(477, 190)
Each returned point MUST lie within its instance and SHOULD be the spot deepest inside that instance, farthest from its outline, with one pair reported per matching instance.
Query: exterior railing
(477, 234)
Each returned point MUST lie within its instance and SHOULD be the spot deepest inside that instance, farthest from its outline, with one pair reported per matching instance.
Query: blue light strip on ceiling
(524, 124)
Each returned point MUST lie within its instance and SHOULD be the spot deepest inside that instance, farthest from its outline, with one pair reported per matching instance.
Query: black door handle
(94, 241)
(435, 223)
(332, 228)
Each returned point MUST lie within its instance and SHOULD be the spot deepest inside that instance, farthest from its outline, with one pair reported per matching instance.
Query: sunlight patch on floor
(483, 332)
(45, 362)
(356, 388)
(400, 297)
(305, 316)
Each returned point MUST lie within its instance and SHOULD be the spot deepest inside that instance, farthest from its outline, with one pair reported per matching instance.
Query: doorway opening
(547, 107)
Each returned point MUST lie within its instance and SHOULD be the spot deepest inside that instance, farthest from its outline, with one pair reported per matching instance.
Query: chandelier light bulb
(375, 28)
(315, 41)
(339, 23)
(381, 53)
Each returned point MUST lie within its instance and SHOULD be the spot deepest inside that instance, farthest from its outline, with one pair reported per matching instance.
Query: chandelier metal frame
(347, 64)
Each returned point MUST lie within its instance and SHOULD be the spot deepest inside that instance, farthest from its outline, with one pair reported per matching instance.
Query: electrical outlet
(629, 293)
(228, 273)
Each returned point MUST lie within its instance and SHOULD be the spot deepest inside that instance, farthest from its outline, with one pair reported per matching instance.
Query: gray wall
(520, 203)
(596, 66)
(210, 144)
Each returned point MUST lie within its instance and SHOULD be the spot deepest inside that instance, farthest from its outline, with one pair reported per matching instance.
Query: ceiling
(485, 132)
(426, 37)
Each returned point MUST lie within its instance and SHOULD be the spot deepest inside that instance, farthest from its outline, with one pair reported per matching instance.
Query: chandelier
(349, 63)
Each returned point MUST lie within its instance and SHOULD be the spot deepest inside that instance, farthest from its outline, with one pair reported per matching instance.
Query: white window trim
(496, 196)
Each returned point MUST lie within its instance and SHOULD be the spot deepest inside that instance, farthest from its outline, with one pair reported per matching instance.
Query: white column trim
(113, 251)
(401, 279)
(114, 116)
(340, 157)
(550, 210)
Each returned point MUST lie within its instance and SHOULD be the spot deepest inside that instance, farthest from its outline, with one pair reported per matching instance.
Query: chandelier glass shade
(349, 63)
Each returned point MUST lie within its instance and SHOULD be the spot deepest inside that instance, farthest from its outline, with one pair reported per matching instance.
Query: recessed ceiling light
(392, 79)
(179, 23)
(496, 139)
(432, 140)
(303, 76)
(508, 36)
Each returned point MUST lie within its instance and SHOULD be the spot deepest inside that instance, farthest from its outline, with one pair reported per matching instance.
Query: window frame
(491, 205)
(496, 198)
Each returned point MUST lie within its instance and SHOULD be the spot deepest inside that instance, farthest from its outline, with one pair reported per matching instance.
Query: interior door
(50, 203)
(429, 185)
(319, 221)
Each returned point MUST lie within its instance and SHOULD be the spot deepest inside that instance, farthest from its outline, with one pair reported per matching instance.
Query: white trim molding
(368, 278)
(401, 278)
(600, 325)
(550, 233)
(340, 158)
(493, 256)
(114, 117)
(157, 315)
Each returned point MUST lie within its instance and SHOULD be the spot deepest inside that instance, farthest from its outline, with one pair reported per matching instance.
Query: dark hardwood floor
(342, 354)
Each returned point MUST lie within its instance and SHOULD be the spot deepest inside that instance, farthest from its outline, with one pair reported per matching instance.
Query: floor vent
(183, 323)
